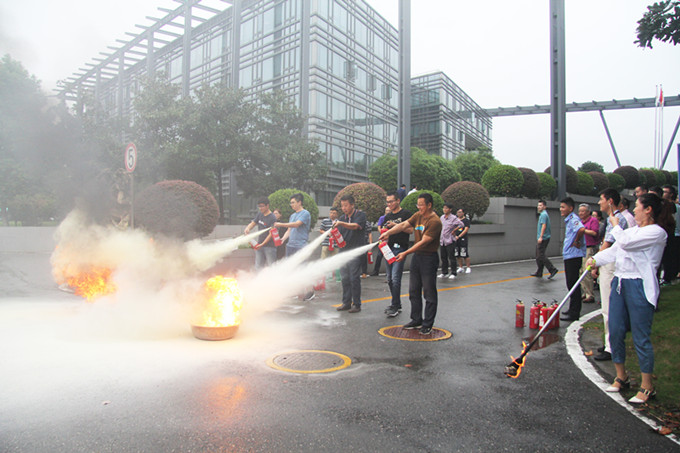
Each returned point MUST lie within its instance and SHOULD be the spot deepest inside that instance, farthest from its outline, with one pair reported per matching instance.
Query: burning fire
(515, 368)
(91, 283)
(224, 305)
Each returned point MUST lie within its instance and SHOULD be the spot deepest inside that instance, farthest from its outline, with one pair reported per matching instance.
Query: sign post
(130, 164)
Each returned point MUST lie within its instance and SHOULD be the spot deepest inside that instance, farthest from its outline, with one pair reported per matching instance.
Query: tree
(589, 166)
(660, 21)
(471, 165)
(383, 172)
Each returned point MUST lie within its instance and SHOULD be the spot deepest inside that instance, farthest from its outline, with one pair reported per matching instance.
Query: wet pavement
(68, 386)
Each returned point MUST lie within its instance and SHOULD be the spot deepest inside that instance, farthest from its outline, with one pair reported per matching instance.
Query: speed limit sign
(130, 157)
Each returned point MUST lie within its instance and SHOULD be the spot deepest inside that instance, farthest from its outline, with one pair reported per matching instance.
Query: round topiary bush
(281, 200)
(668, 177)
(600, 181)
(585, 183)
(471, 196)
(180, 209)
(648, 177)
(531, 183)
(630, 176)
(572, 179)
(659, 176)
(674, 178)
(503, 180)
(547, 186)
(369, 197)
(616, 181)
(409, 203)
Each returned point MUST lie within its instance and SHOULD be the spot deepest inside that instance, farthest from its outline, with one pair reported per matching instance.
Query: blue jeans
(264, 256)
(351, 282)
(394, 272)
(629, 310)
(423, 283)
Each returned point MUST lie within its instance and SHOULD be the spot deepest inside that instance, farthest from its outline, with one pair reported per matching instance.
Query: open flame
(224, 305)
(515, 369)
(91, 283)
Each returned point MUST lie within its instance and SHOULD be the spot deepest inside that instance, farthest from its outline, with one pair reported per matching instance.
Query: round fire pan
(214, 333)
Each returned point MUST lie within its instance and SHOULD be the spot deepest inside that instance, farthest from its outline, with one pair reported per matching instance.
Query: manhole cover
(399, 333)
(309, 362)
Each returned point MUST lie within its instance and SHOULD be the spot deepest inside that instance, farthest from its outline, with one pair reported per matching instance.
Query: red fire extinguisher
(519, 314)
(544, 316)
(387, 252)
(320, 285)
(535, 314)
(370, 257)
(338, 238)
(551, 310)
(556, 321)
(276, 237)
(330, 244)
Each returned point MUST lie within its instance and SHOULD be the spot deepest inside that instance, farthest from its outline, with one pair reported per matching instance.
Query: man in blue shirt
(573, 251)
(542, 241)
(298, 232)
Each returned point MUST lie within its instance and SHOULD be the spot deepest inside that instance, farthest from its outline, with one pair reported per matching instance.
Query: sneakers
(426, 330)
(459, 270)
(468, 270)
(354, 309)
(442, 275)
(536, 274)
(412, 325)
(391, 312)
(451, 277)
(552, 274)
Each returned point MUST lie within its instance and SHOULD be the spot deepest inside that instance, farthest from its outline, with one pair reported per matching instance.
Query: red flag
(659, 101)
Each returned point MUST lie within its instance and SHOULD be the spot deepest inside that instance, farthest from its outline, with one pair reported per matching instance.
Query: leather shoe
(343, 307)
(536, 275)
(600, 349)
(552, 274)
(603, 356)
(354, 309)
(589, 300)
(568, 318)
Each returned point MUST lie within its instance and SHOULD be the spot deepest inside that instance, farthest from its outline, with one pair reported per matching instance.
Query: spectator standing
(603, 225)
(265, 250)
(298, 232)
(573, 251)
(623, 209)
(461, 234)
(671, 255)
(397, 242)
(447, 242)
(636, 253)
(401, 192)
(414, 189)
(378, 255)
(326, 250)
(609, 201)
(280, 250)
(351, 225)
(423, 280)
(542, 241)
(591, 232)
(641, 190)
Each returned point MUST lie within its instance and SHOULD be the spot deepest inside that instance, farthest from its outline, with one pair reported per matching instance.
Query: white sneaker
(441, 276)
(459, 270)
(451, 277)
(467, 271)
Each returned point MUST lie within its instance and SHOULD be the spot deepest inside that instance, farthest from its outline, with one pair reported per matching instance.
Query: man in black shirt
(351, 225)
(397, 243)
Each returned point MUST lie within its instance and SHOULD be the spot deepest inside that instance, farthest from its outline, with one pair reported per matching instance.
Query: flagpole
(656, 123)
(661, 102)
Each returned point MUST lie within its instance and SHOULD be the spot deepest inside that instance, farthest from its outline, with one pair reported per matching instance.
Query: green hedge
(600, 181)
(547, 186)
(616, 181)
(503, 180)
(572, 179)
(409, 203)
(531, 183)
(630, 176)
(585, 183)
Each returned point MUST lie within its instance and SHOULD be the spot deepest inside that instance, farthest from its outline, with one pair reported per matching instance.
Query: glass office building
(336, 59)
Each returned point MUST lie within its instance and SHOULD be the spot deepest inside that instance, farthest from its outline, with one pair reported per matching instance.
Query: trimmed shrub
(471, 196)
(547, 185)
(589, 166)
(669, 177)
(659, 176)
(572, 179)
(281, 200)
(531, 183)
(409, 203)
(503, 180)
(630, 176)
(674, 178)
(585, 183)
(616, 181)
(369, 197)
(600, 181)
(648, 177)
(177, 208)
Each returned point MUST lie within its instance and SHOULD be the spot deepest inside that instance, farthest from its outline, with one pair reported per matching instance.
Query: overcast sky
(497, 51)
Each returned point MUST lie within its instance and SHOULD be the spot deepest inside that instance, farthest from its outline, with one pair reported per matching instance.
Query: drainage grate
(399, 333)
(310, 361)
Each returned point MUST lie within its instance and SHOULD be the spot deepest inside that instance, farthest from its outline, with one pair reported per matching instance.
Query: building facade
(337, 60)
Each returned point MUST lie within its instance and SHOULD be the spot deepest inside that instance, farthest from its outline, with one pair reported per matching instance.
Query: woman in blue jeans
(635, 289)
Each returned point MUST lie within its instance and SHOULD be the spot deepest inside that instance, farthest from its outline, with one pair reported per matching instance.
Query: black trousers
(572, 267)
(448, 257)
(541, 259)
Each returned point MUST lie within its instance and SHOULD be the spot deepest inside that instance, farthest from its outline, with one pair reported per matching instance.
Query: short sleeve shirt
(623, 223)
(354, 238)
(298, 236)
(326, 224)
(572, 224)
(543, 218)
(399, 240)
(426, 226)
(263, 222)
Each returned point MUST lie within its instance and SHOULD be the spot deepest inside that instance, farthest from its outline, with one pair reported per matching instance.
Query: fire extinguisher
(551, 310)
(338, 238)
(519, 314)
(320, 285)
(387, 252)
(535, 314)
(276, 237)
(544, 316)
(556, 321)
(370, 257)
(330, 244)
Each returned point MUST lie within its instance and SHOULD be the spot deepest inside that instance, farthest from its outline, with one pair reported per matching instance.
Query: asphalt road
(70, 384)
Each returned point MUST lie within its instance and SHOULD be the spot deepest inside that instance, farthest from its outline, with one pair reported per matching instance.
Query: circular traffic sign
(130, 157)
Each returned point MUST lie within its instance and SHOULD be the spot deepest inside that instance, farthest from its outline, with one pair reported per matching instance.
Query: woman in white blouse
(635, 289)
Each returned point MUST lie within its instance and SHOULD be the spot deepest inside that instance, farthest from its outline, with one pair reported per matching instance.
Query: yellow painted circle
(446, 335)
(346, 361)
